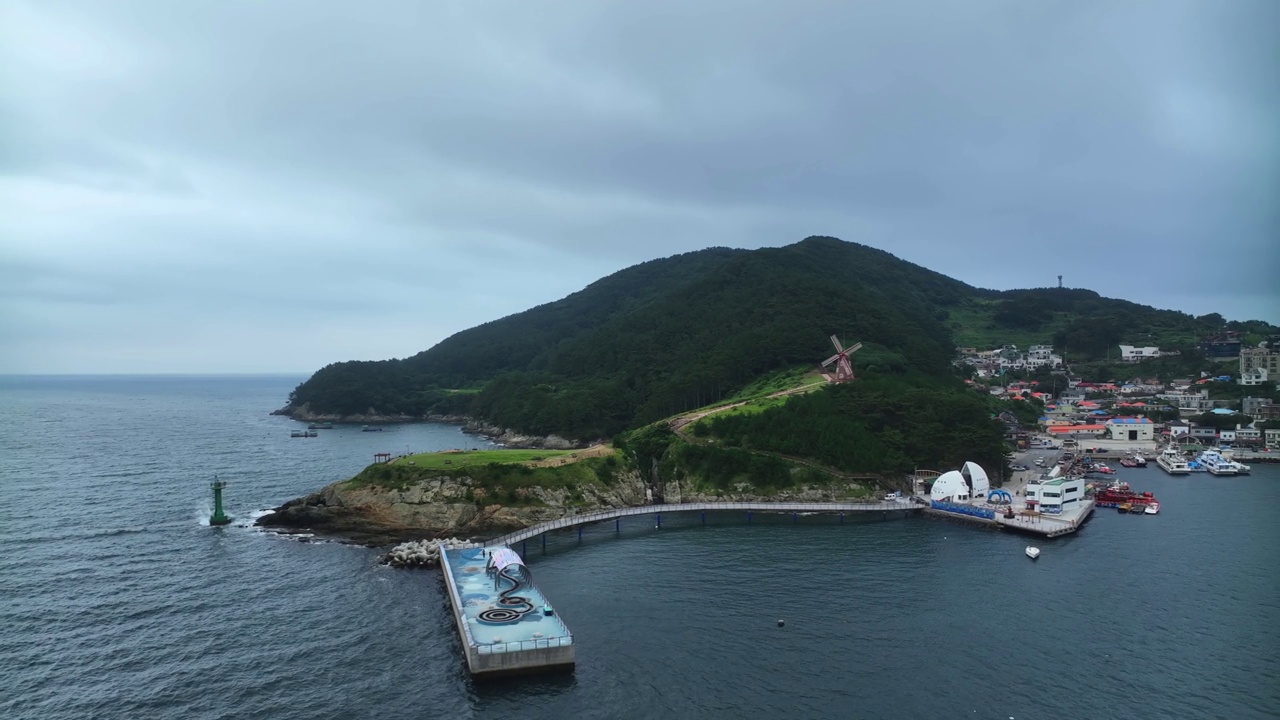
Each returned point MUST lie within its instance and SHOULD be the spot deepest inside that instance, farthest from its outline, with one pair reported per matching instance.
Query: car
(1019, 467)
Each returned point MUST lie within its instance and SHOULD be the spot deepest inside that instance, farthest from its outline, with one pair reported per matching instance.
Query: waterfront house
(1133, 429)
(1177, 427)
(1204, 433)
(1273, 439)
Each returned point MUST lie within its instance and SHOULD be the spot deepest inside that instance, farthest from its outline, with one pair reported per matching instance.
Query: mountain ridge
(675, 333)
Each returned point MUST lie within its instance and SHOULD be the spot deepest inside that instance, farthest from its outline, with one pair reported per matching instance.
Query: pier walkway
(793, 507)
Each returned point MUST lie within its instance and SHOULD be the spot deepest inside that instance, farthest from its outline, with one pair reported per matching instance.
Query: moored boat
(1152, 508)
(1033, 552)
(1173, 462)
(1123, 508)
(1215, 463)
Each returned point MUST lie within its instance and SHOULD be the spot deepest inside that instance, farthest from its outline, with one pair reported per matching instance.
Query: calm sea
(116, 601)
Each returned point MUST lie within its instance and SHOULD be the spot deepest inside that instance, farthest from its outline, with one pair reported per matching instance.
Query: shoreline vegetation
(697, 371)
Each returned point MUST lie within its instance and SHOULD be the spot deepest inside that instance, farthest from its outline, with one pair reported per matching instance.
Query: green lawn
(470, 458)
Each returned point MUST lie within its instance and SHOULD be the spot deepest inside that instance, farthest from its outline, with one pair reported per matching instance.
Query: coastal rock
(374, 515)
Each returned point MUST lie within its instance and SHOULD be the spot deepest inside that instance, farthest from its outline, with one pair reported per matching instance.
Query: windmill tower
(844, 369)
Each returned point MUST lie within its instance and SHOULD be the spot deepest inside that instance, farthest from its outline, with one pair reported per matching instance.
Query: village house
(1249, 405)
(1273, 439)
(1253, 376)
(1260, 357)
(1204, 433)
(1130, 353)
(1248, 435)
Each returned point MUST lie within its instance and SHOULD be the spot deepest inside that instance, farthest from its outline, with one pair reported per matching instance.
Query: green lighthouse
(219, 517)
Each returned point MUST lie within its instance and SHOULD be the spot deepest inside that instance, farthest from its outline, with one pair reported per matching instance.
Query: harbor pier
(506, 625)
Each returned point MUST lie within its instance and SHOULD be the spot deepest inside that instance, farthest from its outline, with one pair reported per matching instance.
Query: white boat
(1213, 461)
(1152, 508)
(1173, 462)
(1033, 552)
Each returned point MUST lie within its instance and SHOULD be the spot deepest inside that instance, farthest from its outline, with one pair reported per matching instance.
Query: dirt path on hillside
(600, 450)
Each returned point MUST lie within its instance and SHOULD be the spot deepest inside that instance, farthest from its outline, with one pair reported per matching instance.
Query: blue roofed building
(1132, 429)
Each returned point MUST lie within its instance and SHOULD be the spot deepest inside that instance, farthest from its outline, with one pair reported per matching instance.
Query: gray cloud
(276, 187)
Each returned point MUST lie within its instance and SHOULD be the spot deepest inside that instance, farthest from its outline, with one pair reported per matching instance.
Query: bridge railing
(517, 646)
(601, 515)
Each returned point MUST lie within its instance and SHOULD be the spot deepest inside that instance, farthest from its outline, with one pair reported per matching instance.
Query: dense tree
(674, 334)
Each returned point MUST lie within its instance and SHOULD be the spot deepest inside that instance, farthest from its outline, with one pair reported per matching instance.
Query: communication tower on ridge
(1059, 282)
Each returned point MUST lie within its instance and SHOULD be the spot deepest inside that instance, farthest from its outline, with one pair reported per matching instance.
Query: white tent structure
(951, 487)
(979, 483)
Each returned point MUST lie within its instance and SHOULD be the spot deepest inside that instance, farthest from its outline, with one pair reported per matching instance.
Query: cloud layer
(239, 186)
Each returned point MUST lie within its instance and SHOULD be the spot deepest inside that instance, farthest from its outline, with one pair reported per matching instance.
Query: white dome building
(951, 487)
(979, 483)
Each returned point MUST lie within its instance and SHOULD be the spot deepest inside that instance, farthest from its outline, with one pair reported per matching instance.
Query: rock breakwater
(421, 553)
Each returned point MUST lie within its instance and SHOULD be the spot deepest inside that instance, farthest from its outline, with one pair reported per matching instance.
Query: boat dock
(1037, 523)
(506, 625)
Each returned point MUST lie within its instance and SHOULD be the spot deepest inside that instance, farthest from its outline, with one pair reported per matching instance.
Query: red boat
(1115, 497)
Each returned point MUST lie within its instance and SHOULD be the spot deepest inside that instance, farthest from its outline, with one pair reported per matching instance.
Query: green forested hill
(677, 333)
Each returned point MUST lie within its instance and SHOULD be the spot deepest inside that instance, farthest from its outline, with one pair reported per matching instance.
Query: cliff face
(374, 515)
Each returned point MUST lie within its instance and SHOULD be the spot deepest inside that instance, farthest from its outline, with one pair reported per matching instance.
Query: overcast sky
(239, 186)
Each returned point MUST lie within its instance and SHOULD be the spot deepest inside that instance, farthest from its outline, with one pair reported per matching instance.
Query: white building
(979, 483)
(1053, 496)
(949, 487)
(1132, 429)
(1129, 353)
(1253, 376)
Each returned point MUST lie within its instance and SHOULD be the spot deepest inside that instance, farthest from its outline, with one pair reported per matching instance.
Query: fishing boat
(1138, 509)
(1173, 462)
(320, 426)
(371, 428)
(303, 433)
(1152, 508)
(1123, 508)
(1033, 552)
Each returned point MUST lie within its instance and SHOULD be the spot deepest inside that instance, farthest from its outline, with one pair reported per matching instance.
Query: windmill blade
(853, 349)
(830, 360)
(836, 341)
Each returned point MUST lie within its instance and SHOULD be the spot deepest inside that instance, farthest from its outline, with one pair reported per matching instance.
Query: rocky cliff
(375, 515)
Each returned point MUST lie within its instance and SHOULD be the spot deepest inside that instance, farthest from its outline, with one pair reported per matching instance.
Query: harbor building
(1251, 405)
(1133, 429)
(1056, 495)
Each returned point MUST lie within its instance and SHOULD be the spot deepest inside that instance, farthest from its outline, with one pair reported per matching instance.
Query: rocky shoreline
(472, 426)
(457, 508)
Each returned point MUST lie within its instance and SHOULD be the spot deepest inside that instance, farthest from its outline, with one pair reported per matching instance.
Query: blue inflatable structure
(1000, 497)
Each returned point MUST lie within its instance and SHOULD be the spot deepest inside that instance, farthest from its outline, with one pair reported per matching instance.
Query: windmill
(844, 369)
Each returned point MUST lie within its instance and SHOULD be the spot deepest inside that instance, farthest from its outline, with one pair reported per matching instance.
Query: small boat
(1123, 508)
(303, 433)
(1152, 508)
(1033, 552)
(320, 426)
(1137, 508)
(371, 428)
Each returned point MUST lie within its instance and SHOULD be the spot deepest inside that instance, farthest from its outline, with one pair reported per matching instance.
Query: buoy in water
(781, 623)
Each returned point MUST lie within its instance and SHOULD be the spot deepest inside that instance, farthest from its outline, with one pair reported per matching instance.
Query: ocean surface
(118, 601)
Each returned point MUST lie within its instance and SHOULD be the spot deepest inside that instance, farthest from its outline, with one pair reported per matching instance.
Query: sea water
(118, 601)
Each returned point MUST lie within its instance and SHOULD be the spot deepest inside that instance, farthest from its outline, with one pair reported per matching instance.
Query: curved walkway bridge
(782, 507)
